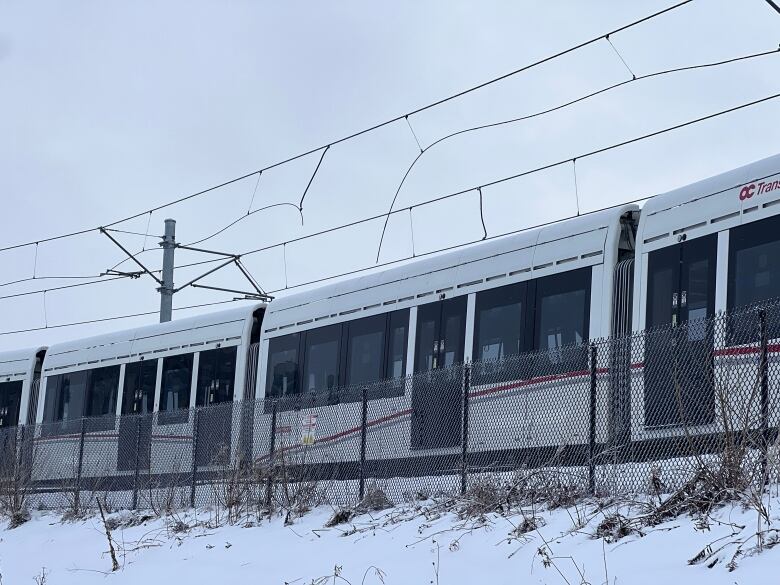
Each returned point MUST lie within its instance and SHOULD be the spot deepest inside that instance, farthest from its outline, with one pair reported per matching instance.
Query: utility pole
(166, 290)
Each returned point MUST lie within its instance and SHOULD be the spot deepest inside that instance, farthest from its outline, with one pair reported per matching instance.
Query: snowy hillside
(427, 543)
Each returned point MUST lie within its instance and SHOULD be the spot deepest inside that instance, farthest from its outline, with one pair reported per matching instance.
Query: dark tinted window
(10, 400)
(140, 382)
(322, 359)
(65, 396)
(499, 322)
(396, 346)
(282, 372)
(175, 389)
(754, 275)
(365, 349)
(102, 388)
(216, 376)
(562, 306)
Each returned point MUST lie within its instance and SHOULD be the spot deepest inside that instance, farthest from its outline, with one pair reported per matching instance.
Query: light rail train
(686, 255)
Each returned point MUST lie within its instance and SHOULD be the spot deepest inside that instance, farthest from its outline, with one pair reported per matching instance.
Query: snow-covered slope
(403, 547)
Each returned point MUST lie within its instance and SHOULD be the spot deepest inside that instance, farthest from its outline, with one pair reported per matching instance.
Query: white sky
(109, 108)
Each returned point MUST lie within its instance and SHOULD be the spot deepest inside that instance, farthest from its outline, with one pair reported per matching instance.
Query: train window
(562, 307)
(499, 327)
(365, 349)
(175, 389)
(322, 359)
(10, 401)
(140, 381)
(216, 376)
(65, 394)
(754, 273)
(102, 387)
(395, 366)
(282, 372)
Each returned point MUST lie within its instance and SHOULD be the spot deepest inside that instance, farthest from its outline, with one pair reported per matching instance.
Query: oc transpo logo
(747, 192)
(760, 188)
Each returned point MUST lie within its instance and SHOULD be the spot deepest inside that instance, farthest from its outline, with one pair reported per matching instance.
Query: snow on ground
(406, 547)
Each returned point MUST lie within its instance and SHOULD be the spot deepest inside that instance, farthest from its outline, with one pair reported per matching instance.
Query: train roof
(528, 241)
(713, 204)
(18, 361)
(197, 329)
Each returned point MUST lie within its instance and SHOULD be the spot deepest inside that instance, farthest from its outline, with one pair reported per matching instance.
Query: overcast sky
(110, 108)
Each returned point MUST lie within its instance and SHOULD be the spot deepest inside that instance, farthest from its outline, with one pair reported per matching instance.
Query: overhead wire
(353, 135)
(562, 106)
(501, 235)
(516, 175)
(115, 318)
(439, 198)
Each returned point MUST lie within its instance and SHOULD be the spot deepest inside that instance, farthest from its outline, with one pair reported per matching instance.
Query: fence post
(271, 453)
(363, 433)
(79, 468)
(464, 468)
(194, 457)
(764, 374)
(592, 425)
(137, 460)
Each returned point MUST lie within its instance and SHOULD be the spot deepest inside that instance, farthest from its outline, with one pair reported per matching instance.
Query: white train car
(541, 290)
(92, 387)
(704, 249)
(19, 381)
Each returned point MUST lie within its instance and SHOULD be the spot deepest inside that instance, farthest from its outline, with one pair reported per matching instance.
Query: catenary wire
(116, 317)
(560, 107)
(425, 150)
(453, 194)
(393, 120)
(516, 175)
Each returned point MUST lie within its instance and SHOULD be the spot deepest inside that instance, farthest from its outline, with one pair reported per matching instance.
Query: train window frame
(221, 356)
(501, 369)
(129, 393)
(344, 391)
(361, 328)
(319, 337)
(180, 414)
(571, 358)
(744, 238)
(79, 399)
(106, 419)
(10, 410)
(289, 342)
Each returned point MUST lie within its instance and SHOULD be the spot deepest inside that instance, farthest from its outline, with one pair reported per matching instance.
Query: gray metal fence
(640, 413)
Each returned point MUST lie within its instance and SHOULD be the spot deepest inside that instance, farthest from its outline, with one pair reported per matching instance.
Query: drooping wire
(472, 188)
(576, 188)
(512, 177)
(254, 192)
(417, 140)
(311, 179)
(35, 262)
(482, 214)
(411, 231)
(367, 130)
(560, 107)
(611, 44)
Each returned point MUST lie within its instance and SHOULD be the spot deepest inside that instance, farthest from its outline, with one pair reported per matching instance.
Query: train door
(436, 394)
(10, 401)
(135, 424)
(679, 343)
(216, 380)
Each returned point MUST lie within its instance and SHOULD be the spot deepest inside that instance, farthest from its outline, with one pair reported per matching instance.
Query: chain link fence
(638, 414)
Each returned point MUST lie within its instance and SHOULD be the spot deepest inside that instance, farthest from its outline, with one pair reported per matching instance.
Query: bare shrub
(16, 484)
